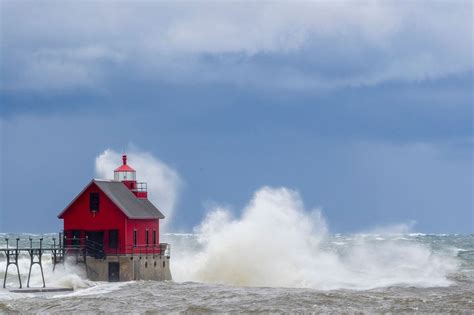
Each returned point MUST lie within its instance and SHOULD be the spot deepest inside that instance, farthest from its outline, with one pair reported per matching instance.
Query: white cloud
(163, 182)
(316, 44)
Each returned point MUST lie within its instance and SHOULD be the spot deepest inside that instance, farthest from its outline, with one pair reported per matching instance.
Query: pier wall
(129, 268)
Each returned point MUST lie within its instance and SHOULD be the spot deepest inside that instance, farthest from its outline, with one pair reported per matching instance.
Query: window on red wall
(154, 237)
(94, 202)
(147, 238)
(135, 236)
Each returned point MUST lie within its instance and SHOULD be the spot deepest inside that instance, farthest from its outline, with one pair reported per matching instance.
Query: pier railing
(63, 247)
(83, 246)
(141, 187)
(34, 251)
(163, 249)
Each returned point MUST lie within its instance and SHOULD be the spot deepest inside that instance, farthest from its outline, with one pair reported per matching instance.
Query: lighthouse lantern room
(112, 225)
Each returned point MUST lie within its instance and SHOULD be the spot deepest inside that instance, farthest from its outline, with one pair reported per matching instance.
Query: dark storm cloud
(366, 107)
(57, 45)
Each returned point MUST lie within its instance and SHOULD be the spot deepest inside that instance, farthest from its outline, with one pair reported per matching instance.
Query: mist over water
(389, 265)
(420, 294)
(277, 256)
(276, 242)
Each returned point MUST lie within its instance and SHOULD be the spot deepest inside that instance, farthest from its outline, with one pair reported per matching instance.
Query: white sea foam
(97, 289)
(277, 243)
(416, 234)
(68, 275)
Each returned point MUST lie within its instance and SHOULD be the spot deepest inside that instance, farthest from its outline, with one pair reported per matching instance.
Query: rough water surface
(451, 288)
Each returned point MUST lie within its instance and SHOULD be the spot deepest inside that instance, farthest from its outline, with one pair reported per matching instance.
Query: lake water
(354, 273)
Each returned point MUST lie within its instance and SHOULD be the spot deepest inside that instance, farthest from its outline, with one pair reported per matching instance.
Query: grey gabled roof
(122, 197)
(133, 207)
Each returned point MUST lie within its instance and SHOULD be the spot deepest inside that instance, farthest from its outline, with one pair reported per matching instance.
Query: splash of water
(67, 275)
(277, 243)
(163, 182)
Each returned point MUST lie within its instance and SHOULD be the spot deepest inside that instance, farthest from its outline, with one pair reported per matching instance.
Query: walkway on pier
(36, 250)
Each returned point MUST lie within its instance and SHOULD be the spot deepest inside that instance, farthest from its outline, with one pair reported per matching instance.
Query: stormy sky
(364, 107)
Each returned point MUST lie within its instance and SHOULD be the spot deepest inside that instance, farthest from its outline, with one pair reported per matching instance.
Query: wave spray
(277, 243)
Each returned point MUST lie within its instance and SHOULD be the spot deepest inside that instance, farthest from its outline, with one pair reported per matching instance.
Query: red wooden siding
(109, 217)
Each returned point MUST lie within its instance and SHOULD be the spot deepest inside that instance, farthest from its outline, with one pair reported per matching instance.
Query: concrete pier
(41, 290)
(127, 268)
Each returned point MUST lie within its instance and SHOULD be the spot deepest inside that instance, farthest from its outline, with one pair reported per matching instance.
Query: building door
(96, 237)
(95, 243)
(75, 238)
(114, 271)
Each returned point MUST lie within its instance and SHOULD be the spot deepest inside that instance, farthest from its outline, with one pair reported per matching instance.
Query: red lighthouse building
(117, 227)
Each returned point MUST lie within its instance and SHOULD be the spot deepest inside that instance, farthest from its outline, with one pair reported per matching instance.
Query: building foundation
(128, 268)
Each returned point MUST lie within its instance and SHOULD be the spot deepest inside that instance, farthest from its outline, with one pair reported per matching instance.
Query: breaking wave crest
(277, 243)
